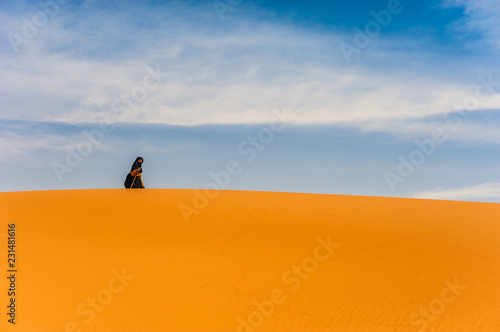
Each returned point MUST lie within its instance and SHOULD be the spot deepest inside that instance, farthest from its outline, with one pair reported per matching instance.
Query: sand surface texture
(127, 260)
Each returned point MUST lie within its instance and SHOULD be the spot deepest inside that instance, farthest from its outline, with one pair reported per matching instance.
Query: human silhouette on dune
(134, 177)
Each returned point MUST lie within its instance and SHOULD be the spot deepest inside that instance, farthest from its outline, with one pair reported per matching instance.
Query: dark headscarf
(137, 164)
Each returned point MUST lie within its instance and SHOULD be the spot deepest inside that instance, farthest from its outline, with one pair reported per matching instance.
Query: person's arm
(136, 172)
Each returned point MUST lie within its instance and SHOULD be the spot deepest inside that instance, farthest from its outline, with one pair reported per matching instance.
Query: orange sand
(125, 260)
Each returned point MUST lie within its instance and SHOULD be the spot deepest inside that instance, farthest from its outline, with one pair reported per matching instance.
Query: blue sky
(382, 98)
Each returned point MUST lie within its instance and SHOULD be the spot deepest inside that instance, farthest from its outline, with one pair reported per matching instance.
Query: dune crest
(127, 260)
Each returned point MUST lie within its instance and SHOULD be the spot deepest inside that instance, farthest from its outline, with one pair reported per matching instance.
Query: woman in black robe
(134, 177)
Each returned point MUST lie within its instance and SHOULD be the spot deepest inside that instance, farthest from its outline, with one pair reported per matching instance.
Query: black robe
(134, 181)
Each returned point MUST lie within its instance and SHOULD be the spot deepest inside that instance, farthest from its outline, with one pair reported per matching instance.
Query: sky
(376, 98)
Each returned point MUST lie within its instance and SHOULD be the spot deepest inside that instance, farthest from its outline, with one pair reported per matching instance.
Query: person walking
(134, 177)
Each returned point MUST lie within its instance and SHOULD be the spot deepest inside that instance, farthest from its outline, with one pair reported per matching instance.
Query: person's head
(140, 160)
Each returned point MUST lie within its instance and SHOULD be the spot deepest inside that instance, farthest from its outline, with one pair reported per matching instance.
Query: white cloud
(481, 191)
(482, 17)
(455, 126)
(74, 69)
(13, 144)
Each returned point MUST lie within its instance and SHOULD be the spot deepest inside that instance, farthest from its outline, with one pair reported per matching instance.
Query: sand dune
(127, 260)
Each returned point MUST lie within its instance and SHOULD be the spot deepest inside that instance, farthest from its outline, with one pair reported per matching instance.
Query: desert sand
(127, 260)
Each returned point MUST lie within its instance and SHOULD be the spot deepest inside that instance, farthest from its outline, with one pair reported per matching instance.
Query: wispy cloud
(481, 17)
(469, 127)
(481, 191)
(75, 69)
